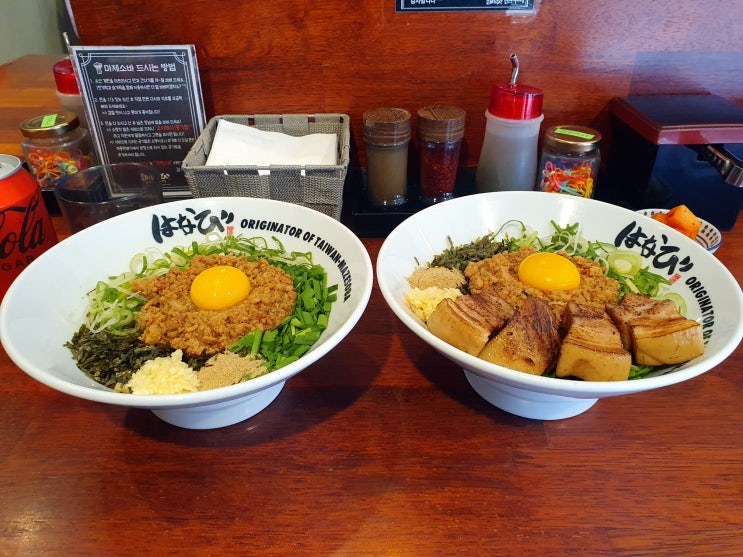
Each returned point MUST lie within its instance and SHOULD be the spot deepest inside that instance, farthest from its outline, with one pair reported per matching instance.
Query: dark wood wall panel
(259, 56)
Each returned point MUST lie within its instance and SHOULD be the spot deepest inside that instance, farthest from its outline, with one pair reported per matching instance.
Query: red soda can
(26, 230)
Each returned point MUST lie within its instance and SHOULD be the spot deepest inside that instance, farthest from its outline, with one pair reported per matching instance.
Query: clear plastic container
(68, 91)
(510, 149)
(54, 146)
(570, 160)
(387, 134)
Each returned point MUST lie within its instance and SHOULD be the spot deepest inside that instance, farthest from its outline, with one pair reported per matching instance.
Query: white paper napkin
(240, 145)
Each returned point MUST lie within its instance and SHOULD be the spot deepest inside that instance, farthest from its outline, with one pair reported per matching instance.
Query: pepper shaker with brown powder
(387, 134)
(440, 133)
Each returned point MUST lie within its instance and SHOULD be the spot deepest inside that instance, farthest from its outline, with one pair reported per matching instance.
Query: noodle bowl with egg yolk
(171, 318)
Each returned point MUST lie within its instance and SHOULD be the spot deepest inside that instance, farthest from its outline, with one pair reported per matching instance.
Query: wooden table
(381, 448)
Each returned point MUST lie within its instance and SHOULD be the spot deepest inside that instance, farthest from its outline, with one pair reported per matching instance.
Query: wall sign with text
(514, 6)
(144, 104)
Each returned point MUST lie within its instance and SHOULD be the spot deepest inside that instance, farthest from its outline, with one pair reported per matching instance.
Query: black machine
(667, 150)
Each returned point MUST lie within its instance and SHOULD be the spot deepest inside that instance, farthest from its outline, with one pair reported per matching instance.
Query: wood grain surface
(380, 448)
(349, 56)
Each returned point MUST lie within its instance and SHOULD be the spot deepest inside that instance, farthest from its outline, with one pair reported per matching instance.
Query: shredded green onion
(113, 305)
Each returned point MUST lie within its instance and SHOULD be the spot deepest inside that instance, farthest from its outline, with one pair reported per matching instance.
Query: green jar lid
(572, 139)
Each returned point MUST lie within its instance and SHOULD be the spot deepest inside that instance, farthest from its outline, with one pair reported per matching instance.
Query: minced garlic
(422, 302)
(164, 376)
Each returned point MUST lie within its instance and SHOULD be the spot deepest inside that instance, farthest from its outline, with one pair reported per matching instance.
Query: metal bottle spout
(727, 164)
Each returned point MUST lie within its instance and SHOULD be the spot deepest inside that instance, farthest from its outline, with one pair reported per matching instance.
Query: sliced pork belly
(592, 347)
(530, 341)
(467, 322)
(634, 307)
(655, 332)
(668, 342)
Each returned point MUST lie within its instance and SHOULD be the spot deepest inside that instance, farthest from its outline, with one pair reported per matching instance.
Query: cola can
(26, 231)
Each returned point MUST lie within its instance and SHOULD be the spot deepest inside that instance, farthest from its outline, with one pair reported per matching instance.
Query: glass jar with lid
(440, 133)
(570, 160)
(54, 146)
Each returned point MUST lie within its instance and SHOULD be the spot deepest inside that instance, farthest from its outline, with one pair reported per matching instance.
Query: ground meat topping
(501, 272)
(171, 319)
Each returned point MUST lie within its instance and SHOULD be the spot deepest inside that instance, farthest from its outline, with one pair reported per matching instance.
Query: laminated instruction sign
(144, 104)
(457, 5)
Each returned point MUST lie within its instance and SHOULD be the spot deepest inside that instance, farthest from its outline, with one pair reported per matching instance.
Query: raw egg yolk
(219, 287)
(549, 271)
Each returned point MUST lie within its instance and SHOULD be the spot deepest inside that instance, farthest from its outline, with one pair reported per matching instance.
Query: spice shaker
(440, 133)
(26, 230)
(570, 160)
(54, 146)
(387, 134)
(508, 160)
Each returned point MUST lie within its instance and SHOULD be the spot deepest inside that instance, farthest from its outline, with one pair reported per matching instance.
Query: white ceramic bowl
(45, 305)
(709, 236)
(702, 280)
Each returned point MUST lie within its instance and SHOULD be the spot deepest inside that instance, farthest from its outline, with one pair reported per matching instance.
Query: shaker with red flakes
(440, 133)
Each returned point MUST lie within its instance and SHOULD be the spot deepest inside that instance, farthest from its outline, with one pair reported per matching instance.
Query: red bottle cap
(64, 76)
(516, 102)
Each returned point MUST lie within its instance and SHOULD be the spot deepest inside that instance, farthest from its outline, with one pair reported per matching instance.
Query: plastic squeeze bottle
(508, 160)
(68, 92)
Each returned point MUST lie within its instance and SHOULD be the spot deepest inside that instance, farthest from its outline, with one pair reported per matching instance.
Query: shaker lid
(572, 139)
(387, 126)
(50, 125)
(64, 77)
(516, 102)
(441, 123)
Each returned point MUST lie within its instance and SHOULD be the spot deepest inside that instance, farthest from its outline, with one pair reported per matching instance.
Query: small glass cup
(101, 192)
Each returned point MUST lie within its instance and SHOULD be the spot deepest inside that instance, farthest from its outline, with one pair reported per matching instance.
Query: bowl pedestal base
(528, 404)
(221, 414)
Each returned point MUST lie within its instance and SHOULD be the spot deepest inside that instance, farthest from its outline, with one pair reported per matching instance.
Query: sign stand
(144, 104)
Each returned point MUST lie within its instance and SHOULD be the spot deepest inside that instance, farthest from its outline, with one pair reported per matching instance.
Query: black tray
(368, 221)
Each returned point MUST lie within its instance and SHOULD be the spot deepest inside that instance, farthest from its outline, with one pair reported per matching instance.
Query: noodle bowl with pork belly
(703, 288)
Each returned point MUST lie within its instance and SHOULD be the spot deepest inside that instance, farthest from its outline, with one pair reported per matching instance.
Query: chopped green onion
(113, 305)
(625, 262)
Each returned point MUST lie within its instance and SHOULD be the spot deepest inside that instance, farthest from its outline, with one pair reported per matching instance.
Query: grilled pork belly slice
(670, 342)
(655, 332)
(467, 322)
(530, 341)
(638, 306)
(592, 347)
